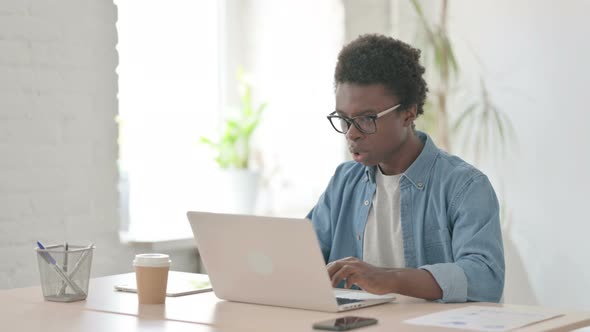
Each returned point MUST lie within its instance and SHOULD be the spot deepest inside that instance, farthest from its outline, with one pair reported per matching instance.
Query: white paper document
(480, 318)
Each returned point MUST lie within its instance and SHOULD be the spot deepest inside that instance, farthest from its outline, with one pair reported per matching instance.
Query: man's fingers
(349, 259)
(351, 280)
(336, 277)
(339, 275)
(336, 265)
(333, 268)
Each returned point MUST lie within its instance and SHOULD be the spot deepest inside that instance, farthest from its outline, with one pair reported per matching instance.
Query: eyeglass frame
(352, 120)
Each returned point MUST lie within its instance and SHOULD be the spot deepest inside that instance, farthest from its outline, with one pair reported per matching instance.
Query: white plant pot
(240, 190)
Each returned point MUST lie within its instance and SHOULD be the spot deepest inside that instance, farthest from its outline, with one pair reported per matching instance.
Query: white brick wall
(58, 148)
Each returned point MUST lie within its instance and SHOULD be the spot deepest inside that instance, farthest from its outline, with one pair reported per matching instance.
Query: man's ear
(410, 115)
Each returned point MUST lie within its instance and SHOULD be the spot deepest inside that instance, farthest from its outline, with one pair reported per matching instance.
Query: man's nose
(353, 133)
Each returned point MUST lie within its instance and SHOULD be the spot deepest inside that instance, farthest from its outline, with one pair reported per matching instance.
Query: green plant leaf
(457, 126)
(451, 59)
(233, 148)
(205, 140)
(424, 21)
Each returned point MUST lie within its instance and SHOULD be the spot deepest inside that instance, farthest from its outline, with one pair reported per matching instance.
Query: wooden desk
(48, 318)
(107, 310)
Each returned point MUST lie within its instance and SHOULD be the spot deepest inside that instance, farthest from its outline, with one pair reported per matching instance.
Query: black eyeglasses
(366, 124)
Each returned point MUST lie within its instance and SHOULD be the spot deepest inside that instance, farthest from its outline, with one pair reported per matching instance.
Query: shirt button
(420, 185)
(366, 202)
(358, 237)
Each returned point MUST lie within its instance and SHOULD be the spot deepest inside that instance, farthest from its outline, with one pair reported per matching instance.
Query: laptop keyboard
(343, 300)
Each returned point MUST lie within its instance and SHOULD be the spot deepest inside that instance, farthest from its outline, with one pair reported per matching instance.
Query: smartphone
(344, 323)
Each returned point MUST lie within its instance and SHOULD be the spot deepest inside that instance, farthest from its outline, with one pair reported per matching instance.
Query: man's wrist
(414, 282)
(393, 281)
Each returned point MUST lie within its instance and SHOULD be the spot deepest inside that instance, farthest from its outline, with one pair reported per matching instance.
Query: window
(175, 80)
(168, 97)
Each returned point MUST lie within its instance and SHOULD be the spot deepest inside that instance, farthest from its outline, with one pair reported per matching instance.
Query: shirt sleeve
(478, 271)
(320, 216)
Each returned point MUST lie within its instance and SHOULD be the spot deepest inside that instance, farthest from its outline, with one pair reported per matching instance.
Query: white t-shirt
(383, 242)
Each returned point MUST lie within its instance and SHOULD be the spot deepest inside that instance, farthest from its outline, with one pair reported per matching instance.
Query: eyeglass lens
(364, 123)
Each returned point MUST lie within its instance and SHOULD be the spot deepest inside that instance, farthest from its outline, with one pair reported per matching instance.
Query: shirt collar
(417, 173)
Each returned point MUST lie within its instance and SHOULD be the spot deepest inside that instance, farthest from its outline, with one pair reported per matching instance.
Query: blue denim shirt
(449, 217)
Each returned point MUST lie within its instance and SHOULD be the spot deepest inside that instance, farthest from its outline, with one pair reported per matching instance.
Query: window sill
(157, 243)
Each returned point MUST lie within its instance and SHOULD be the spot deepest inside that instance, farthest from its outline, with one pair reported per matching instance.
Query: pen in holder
(64, 272)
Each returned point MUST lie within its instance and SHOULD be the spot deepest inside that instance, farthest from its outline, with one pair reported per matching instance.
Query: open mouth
(358, 156)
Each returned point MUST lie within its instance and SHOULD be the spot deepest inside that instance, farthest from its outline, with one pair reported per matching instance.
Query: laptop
(270, 261)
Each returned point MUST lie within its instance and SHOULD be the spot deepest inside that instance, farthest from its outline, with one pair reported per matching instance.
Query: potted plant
(481, 124)
(233, 151)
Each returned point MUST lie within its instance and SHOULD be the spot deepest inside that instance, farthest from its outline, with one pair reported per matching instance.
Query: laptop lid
(265, 260)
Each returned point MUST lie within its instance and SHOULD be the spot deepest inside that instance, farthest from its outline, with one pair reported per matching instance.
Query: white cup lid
(152, 260)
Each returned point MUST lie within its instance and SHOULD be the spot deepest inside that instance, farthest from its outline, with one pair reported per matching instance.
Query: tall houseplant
(233, 151)
(480, 128)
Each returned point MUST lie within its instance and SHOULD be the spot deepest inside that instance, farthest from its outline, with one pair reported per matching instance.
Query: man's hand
(377, 280)
(370, 278)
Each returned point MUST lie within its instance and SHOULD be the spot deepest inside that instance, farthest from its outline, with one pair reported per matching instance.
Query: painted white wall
(58, 136)
(535, 54)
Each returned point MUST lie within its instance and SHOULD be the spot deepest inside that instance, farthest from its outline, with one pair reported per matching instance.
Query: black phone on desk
(344, 323)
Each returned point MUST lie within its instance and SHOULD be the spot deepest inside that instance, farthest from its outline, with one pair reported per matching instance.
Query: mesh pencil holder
(65, 274)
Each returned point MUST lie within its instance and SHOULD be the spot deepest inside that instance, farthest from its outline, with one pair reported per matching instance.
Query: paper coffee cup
(151, 274)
